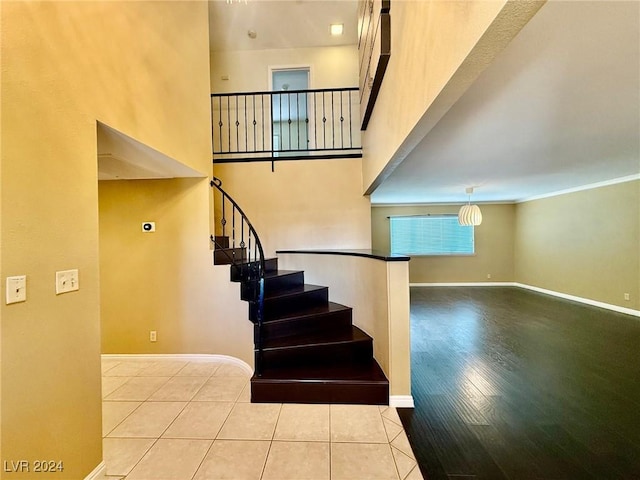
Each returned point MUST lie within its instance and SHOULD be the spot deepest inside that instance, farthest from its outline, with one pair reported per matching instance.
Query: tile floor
(169, 419)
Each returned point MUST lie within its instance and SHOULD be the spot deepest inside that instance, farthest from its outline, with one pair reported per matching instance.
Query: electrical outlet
(67, 281)
(16, 289)
(488, 275)
(152, 336)
(626, 297)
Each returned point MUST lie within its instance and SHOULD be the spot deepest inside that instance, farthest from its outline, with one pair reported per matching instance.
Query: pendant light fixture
(469, 214)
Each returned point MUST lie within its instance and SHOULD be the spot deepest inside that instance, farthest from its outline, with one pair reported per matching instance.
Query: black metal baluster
(229, 121)
(350, 126)
(333, 123)
(223, 222)
(289, 119)
(324, 123)
(237, 129)
(341, 122)
(246, 129)
(315, 123)
(255, 142)
(233, 234)
(298, 117)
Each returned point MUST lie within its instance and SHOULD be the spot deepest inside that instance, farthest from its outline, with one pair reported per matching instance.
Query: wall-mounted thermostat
(148, 227)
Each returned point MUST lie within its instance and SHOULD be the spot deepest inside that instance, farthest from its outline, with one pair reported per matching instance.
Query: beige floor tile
(178, 389)
(357, 423)
(199, 420)
(111, 384)
(107, 365)
(371, 461)
(234, 460)
(415, 474)
(221, 389)
(245, 396)
(230, 370)
(171, 459)
(404, 463)
(198, 369)
(137, 389)
(128, 368)
(401, 442)
(150, 420)
(115, 412)
(122, 454)
(251, 421)
(303, 423)
(163, 368)
(297, 461)
(391, 428)
(392, 414)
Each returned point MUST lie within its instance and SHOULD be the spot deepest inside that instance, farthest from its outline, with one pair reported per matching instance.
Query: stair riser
(238, 272)
(293, 391)
(331, 354)
(277, 307)
(228, 256)
(334, 321)
(273, 284)
(221, 242)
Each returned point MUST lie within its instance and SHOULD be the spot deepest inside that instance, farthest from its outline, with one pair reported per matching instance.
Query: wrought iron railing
(236, 239)
(286, 125)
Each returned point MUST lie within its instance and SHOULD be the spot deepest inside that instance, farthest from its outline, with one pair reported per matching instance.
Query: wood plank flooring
(512, 384)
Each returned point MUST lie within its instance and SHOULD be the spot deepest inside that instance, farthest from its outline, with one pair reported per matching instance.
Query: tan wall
(494, 241)
(248, 70)
(437, 50)
(585, 244)
(140, 67)
(303, 204)
(165, 281)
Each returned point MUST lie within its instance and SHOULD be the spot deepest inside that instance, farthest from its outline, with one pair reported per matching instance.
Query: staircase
(307, 348)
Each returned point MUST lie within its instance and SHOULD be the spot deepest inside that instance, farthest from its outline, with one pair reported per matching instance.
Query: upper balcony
(286, 125)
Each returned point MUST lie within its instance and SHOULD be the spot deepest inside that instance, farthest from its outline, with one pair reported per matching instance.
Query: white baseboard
(97, 473)
(566, 296)
(402, 401)
(464, 284)
(181, 356)
(587, 301)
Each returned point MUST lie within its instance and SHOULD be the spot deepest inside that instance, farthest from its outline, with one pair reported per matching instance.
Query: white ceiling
(280, 24)
(558, 109)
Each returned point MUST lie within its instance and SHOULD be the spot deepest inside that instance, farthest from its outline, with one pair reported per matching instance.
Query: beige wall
(437, 50)
(165, 281)
(249, 70)
(494, 241)
(140, 67)
(303, 204)
(585, 244)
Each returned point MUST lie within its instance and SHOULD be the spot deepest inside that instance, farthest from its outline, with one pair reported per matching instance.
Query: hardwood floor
(512, 384)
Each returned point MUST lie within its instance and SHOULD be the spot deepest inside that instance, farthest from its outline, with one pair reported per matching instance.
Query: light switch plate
(16, 289)
(67, 281)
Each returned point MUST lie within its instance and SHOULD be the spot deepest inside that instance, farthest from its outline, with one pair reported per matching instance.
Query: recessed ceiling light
(336, 29)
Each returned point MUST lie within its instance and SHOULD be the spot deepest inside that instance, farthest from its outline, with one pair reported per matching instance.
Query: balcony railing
(286, 125)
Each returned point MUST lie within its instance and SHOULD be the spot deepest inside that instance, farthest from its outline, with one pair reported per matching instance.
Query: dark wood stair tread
(349, 373)
(281, 273)
(317, 339)
(292, 292)
(312, 311)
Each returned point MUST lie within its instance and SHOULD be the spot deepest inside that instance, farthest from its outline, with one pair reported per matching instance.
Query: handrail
(250, 261)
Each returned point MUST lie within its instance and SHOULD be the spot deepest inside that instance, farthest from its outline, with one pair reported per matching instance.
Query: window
(431, 235)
